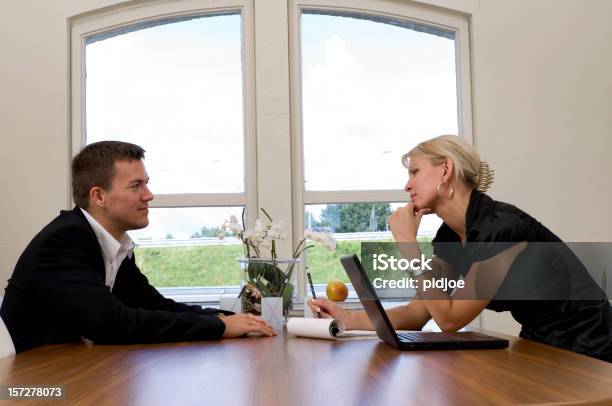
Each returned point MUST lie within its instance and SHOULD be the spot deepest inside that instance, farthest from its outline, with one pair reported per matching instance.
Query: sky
(371, 90)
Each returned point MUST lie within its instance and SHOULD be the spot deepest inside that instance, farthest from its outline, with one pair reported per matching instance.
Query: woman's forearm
(412, 316)
(359, 321)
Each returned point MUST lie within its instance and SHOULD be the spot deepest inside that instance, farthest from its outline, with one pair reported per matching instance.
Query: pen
(241, 291)
(314, 295)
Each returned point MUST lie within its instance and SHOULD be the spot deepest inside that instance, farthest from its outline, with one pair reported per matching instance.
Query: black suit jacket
(57, 294)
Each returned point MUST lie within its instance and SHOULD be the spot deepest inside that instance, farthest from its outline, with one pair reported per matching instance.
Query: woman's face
(423, 180)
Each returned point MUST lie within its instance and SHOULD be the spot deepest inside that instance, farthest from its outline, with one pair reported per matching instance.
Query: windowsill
(199, 295)
(209, 297)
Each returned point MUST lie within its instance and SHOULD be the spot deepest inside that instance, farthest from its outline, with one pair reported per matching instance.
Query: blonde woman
(507, 260)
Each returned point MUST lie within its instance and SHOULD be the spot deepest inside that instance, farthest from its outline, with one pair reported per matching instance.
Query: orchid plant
(264, 275)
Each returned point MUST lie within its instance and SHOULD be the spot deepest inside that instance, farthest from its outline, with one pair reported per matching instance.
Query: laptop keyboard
(423, 336)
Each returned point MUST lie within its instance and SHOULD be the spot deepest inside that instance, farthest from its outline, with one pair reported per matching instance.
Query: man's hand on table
(241, 324)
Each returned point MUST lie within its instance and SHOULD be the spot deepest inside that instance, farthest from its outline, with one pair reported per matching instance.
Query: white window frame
(424, 15)
(106, 21)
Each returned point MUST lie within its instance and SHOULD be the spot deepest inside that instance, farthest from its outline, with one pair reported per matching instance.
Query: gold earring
(452, 190)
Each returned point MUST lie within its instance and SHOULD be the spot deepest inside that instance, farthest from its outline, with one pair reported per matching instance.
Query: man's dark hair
(94, 166)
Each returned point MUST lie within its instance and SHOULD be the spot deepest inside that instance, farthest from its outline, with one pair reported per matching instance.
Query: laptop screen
(369, 299)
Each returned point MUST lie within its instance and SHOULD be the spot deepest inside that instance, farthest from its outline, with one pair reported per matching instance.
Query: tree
(330, 216)
(207, 232)
(355, 217)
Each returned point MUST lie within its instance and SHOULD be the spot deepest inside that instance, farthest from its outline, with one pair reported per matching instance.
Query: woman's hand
(331, 310)
(405, 223)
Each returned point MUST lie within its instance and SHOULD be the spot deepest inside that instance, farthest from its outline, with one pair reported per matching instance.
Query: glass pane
(181, 247)
(352, 224)
(176, 90)
(372, 90)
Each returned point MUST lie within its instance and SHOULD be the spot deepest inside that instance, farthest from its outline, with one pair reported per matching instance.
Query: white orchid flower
(269, 238)
(265, 232)
(273, 235)
(235, 228)
(277, 226)
(265, 249)
(259, 230)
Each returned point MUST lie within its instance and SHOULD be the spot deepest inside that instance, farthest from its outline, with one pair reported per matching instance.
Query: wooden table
(297, 371)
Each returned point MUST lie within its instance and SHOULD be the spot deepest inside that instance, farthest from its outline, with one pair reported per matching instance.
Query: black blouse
(547, 289)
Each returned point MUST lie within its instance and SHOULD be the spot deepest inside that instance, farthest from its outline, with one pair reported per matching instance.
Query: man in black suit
(78, 277)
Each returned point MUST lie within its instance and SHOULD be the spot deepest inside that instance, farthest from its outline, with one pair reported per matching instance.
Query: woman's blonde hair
(469, 168)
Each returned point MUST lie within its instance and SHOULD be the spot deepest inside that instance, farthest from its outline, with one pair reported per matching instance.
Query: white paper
(329, 329)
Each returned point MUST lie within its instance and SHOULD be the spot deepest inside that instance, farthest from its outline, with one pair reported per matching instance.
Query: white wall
(543, 109)
(542, 102)
(34, 121)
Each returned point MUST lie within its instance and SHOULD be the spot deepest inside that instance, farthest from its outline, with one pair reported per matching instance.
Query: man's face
(126, 203)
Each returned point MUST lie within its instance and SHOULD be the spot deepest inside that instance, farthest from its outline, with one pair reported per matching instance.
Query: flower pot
(267, 278)
(272, 312)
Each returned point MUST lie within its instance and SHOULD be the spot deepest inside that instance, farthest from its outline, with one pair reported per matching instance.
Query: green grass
(216, 265)
(324, 265)
(190, 266)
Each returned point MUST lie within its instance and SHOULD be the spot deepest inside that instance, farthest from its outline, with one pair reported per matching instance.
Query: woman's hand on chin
(405, 222)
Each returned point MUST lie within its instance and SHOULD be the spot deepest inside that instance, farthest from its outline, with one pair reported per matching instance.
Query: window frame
(84, 27)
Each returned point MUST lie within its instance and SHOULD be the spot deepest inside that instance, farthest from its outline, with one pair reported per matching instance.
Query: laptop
(416, 340)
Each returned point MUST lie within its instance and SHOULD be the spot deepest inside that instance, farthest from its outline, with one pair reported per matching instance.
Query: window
(181, 248)
(354, 88)
(372, 86)
(176, 88)
(176, 85)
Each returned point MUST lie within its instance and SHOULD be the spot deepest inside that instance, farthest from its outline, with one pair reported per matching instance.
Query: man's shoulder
(70, 219)
(70, 224)
(64, 237)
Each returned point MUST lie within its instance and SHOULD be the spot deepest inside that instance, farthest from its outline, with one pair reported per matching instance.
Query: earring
(450, 195)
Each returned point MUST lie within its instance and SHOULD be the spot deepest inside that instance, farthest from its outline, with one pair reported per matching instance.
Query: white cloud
(365, 106)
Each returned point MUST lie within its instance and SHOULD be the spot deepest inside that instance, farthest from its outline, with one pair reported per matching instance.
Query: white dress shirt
(113, 251)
